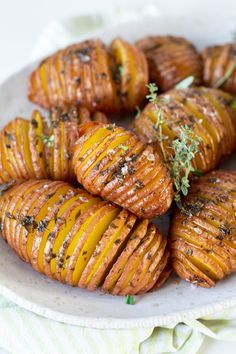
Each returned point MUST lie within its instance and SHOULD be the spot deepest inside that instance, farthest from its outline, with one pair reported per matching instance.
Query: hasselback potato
(80, 240)
(203, 233)
(113, 163)
(208, 113)
(170, 60)
(220, 67)
(91, 75)
(36, 149)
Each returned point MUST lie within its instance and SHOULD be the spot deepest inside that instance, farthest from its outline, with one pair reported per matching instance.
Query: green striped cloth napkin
(24, 332)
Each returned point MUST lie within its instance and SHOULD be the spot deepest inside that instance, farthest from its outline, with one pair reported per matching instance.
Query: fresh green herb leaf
(185, 83)
(227, 75)
(47, 140)
(185, 149)
(197, 173)
(121, 70)
(153, 98)
(129, 300)
(138, 111)
(123, 147)
(233, 103)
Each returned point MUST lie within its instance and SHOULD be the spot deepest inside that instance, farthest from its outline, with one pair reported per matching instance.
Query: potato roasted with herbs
(92, 75)
(35, 149)
(78, 239)
(220, 67)
(113, 163)
(208, 115)
(170, 60)
(203, 232)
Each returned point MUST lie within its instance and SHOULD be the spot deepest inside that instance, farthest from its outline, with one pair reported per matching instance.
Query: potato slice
(90, 75)
(207, 112)
(218, 60)
(69, 235)
(92, 161)
(107, 250)
(203, 232)
(171, 59)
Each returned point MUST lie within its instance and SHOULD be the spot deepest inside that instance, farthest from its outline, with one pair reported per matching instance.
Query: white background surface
(21, 22)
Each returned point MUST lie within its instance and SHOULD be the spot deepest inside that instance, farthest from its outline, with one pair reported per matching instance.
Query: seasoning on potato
(92, 75)
(170, 60)
(220, 67)
(207, 112)
(36, 149)
(113, 163)
(203, 232)
(81, 240)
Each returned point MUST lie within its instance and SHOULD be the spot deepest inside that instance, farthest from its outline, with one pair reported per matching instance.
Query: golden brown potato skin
(203, 234)
(24, 155)
(113, 163)
(207, 112)
(170, 60)
(69, 235)
(91, 75)
(217, 61)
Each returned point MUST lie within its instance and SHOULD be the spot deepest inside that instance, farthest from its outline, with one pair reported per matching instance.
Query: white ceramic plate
(177, 300)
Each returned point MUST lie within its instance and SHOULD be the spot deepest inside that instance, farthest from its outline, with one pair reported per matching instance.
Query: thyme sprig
(47, 140)
(158, 126)
(227, 74)
(185, 149)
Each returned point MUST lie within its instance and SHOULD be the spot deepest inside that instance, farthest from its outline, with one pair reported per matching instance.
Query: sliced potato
(219, 67)
(171, 60)
(206, 112)
(69, 235)
(114, 164)
(39, 149)
(202, 234)
(91, 75)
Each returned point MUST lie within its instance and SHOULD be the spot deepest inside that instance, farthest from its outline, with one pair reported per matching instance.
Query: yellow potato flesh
(26, 148)
(5, 163)
(136, 264)
(43, 212)
(66, 229)
(91, 243)
(122, 265)
(43, 77)
(100, 134)
(124, 58)
(114, 144)
(39, 131)
(105, 250)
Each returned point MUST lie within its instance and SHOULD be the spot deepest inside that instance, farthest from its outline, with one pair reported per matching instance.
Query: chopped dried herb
(42, 225)
(27, 221)
(111, 127)
(5, 186)
(47, 140)
(8, 136)
(189, 252)
(139, 185)
(34, 123)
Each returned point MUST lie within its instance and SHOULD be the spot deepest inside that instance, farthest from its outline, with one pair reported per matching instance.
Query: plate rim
(117, 323)
(110, 322)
